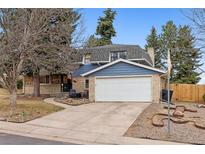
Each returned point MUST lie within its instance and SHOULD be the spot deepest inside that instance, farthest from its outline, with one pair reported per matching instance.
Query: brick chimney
(150, 51)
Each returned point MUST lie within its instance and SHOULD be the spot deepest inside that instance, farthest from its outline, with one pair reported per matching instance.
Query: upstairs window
(117, 55)
(87, 58)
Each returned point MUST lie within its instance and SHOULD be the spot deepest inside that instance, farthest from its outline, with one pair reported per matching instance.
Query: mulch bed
(185, 133)
(72, 101)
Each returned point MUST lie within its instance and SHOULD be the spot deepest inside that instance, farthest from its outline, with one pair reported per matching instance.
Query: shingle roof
(102, 53)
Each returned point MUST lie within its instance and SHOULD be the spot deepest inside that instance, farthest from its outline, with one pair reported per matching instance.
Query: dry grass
(27, 108)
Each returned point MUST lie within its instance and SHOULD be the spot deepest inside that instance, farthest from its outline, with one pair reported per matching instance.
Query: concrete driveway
(95, 122)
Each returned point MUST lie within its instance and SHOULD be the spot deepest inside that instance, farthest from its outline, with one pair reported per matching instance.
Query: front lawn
(27, 108)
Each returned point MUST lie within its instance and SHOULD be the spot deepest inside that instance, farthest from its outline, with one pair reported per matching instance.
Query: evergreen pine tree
(153, 41)
(105, 27)
(92, 42)
(168, 41)
(188, 57)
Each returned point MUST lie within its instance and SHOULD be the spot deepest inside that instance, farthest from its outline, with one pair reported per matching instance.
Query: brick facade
(52, 88)
(156, 88)
(92, 89)
(78, 84)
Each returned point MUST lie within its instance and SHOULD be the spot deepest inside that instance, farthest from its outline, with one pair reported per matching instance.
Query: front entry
(66, 83)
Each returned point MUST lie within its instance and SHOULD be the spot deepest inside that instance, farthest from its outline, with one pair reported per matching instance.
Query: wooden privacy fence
(188, 93)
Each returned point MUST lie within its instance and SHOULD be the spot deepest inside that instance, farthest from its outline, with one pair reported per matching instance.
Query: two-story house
(110, 73)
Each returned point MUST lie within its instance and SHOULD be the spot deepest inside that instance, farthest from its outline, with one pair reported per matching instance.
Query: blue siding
(122, 68)
(84, 68)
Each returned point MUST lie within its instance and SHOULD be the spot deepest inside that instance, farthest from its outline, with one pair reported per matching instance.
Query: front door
(66, 84)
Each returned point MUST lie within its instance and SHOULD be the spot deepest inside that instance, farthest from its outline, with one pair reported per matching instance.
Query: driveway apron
(90, 122)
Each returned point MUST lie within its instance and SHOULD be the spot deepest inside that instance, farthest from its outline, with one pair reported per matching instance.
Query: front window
(117, 55)
(86, 83)
(45, 79)
(87, 58)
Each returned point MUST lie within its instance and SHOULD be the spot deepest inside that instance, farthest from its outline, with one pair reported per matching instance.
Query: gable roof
(102, 53)
(84, 68)
(125, 61)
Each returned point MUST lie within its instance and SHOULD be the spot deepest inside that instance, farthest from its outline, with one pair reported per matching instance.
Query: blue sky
(133, 25)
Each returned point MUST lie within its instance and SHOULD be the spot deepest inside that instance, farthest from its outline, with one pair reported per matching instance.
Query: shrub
(19, 84)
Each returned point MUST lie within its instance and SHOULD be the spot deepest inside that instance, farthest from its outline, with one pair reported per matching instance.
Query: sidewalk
(61, 130)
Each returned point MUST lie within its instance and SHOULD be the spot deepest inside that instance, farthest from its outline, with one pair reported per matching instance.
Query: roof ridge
(113, 45)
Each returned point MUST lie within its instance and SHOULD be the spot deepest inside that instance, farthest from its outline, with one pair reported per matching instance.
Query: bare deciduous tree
(58, 55)
(197, 16)
(26, 36)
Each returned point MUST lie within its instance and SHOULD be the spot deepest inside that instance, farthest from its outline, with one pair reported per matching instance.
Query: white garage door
(136, 89)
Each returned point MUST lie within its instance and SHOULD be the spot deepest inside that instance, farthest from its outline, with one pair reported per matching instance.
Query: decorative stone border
(177, 116)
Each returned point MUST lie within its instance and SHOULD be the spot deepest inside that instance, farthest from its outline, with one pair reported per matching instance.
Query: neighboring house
(111, 73)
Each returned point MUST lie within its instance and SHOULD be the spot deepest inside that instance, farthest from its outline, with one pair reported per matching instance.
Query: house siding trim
(143, 60)
(123, 69)
(122, 76)
(129, 63)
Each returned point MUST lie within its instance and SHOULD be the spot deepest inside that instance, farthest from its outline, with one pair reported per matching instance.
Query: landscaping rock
(172, 107)
(201, 106)
(157, 120)
(178, 113)
(72, 101)
(180, 120)
(2, 119)
(188, 129)
(180, 108)
(200, 123)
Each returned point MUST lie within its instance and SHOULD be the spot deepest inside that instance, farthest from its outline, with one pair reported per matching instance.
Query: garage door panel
(123, 89)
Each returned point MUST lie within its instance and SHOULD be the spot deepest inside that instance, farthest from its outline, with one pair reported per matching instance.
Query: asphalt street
(9, 139)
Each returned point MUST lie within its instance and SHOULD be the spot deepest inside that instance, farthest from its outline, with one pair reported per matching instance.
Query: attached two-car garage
(124, 89)
(124, 81)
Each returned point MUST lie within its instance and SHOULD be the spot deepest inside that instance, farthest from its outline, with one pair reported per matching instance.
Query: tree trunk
(13, 98)
(36, 81)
